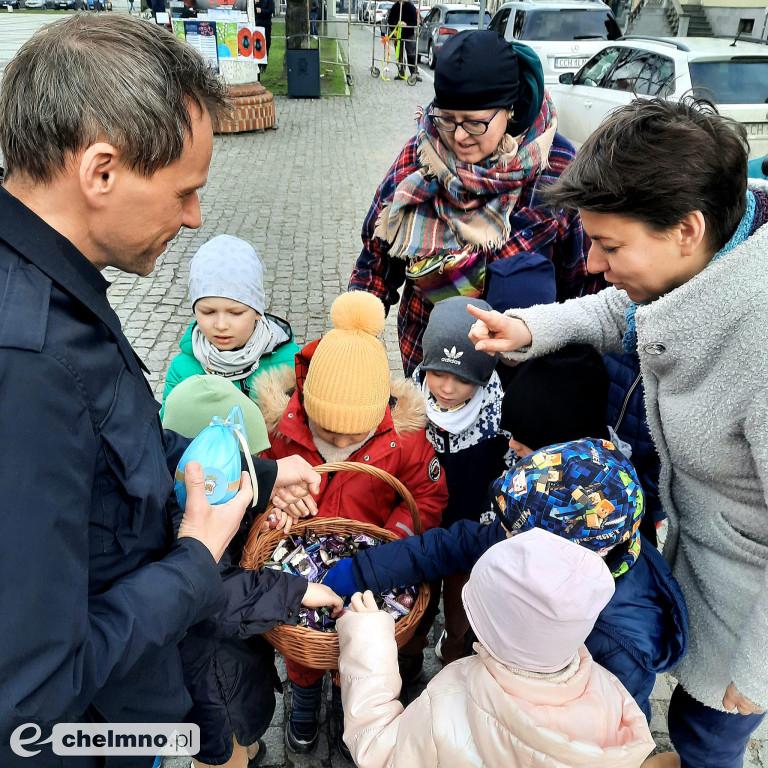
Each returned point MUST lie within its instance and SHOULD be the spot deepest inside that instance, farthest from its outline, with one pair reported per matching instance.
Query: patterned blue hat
(586, 491)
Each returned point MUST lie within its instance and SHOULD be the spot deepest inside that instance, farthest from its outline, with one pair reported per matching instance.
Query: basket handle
(363, 469)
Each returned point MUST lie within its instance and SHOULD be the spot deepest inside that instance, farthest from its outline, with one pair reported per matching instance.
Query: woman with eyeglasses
(462, 197)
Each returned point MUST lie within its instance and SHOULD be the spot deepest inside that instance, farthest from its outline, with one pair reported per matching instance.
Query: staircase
(698, 24)
(649, 18)
(661, 18)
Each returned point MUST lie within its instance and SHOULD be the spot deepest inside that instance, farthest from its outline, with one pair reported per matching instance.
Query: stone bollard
(253, 109)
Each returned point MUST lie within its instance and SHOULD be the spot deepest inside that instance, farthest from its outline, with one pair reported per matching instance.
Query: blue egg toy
(217, 450)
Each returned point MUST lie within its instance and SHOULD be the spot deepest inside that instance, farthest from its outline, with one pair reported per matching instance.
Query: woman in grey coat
(662, 193)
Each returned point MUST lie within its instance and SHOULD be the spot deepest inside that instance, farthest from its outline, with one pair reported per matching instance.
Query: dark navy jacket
(95, 592)
(641, 632)
(626, 414)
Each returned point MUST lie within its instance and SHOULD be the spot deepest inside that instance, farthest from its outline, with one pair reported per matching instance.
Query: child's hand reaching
(278, 521)
(320, 596)
(363, 602)
(282, 519)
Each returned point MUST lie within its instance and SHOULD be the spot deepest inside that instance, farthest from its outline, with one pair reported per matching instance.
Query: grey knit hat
(446, 343)
(230, 268)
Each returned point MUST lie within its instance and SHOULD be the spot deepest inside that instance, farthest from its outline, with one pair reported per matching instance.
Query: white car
(380, 15)
(735, 77)
(565, 34)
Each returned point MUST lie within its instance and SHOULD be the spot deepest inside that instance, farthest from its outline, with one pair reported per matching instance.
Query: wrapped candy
(283, 551)
(311, 555)
(395, 605)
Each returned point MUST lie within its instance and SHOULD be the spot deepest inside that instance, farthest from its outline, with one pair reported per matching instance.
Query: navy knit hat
(586, 491)
(476, 69)
(446, 343)
(557, 397)
(479, 69)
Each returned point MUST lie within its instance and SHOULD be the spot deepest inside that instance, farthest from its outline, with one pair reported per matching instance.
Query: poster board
(201, 35)
(223, 38)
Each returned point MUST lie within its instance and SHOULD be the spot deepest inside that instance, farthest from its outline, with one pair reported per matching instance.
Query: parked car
(380, 13)
(423, 13)
(9, 4)
(34, 5)
(64, 5)
(362, 9)
(442, 21)
(734, 76)
(758, 168)
(565, 34)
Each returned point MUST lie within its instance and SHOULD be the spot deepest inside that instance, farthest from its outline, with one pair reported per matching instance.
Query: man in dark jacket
(403, 14)
(96, 591)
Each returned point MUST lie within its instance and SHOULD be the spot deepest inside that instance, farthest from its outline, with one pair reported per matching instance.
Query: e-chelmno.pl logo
(108, 739)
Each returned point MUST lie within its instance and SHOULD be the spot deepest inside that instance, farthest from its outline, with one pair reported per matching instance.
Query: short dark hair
(656, 161)
(102, 76)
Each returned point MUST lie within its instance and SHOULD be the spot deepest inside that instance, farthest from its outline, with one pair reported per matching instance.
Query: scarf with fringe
(446, 205)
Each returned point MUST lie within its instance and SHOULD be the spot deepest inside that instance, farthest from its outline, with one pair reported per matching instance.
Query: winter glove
(340, 578)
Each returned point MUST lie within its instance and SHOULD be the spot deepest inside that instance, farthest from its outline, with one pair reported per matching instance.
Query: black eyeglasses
(475, 127)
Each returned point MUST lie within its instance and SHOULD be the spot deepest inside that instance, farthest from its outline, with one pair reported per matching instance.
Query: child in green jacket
(232, 335)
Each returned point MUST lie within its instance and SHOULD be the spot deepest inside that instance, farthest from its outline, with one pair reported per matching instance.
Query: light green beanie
(195, 401)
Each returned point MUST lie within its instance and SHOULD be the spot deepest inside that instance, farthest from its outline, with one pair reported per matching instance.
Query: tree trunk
(297, 24)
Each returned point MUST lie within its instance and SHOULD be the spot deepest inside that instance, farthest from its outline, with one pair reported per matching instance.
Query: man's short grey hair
(102, 77)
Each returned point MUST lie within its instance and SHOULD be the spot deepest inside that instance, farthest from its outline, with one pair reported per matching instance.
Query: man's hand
(735, 700)
(363, 603)
(494, 332)
(295, 480)
(319, 596)
(213, 526)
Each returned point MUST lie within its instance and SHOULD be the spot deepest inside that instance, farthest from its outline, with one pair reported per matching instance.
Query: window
(596, 68)
(643, 73)
(499, 21)
(434, 16)
(739, 80)
(551, 24)
(465, 17)
(746, 26)
(519, 21)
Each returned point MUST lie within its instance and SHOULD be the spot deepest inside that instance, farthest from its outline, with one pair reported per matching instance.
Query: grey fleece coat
(705, 369)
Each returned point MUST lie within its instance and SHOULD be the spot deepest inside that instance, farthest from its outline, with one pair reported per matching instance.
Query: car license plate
(756, 129)
(569, 63)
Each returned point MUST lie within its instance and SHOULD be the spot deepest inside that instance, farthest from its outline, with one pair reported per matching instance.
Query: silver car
(442, 22)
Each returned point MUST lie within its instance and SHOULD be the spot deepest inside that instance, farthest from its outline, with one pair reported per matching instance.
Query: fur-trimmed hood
(276, 388)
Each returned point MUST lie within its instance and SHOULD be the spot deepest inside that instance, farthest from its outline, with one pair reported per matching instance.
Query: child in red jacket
(344, 407)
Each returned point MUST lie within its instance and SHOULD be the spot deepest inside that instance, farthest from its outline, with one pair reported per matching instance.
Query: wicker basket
(320, 650)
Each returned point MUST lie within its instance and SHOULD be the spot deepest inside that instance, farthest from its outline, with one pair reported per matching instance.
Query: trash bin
(303, 73)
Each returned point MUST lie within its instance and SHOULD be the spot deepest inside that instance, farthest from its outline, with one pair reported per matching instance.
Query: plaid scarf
(446, 205)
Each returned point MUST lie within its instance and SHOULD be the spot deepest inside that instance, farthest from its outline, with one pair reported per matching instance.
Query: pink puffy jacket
(477, 712)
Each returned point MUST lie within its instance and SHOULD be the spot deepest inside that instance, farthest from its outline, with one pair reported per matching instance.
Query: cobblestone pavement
(300, 195)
